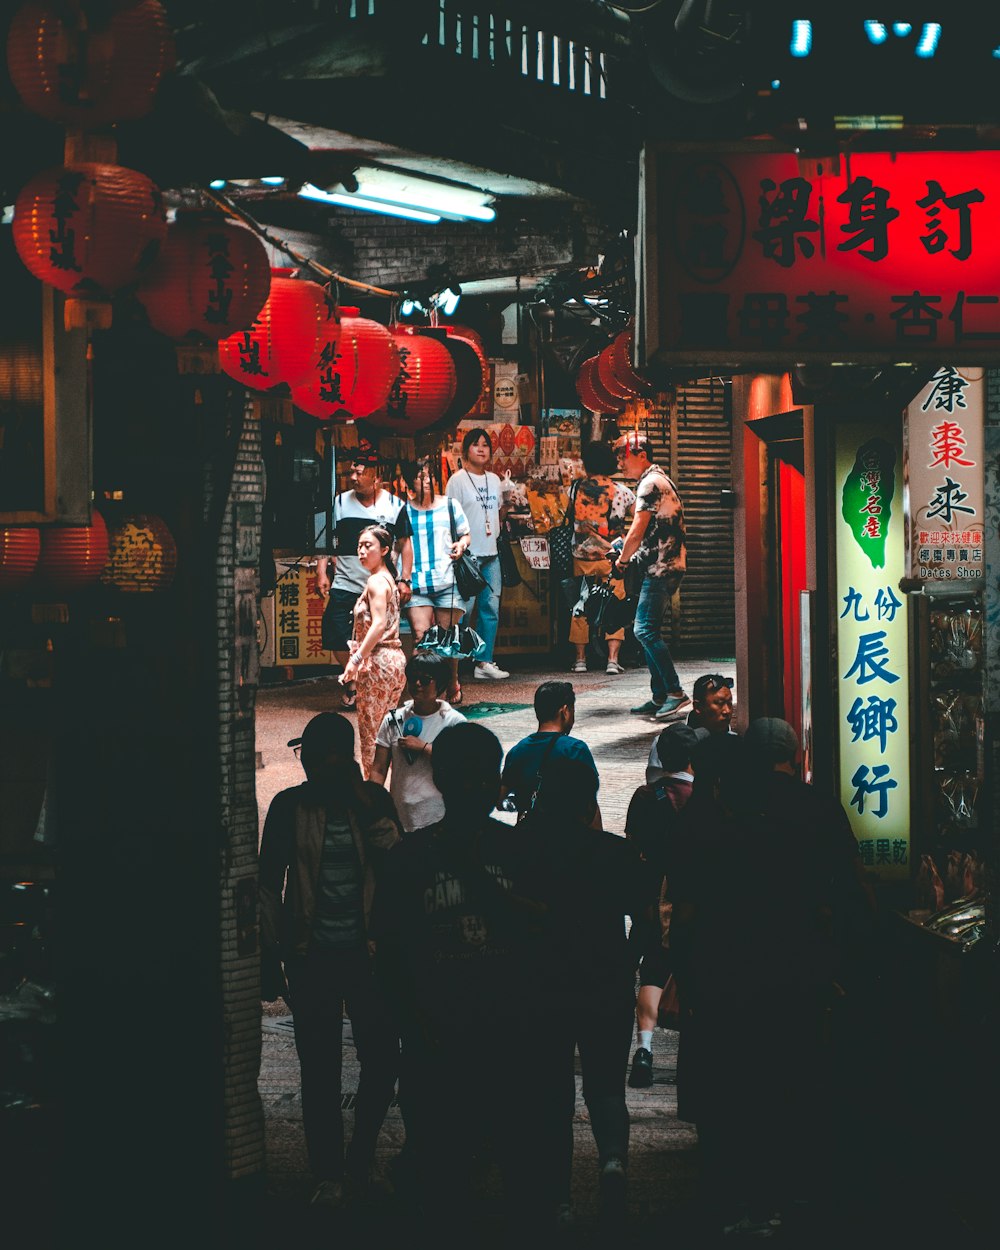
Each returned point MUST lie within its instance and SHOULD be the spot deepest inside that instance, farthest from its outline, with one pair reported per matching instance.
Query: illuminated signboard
(872, 648)
(767, 256)
(944, 444)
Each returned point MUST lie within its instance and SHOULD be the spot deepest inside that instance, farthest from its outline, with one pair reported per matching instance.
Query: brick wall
(237, 505)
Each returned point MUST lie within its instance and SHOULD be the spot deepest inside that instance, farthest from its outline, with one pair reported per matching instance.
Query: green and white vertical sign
(872, 647)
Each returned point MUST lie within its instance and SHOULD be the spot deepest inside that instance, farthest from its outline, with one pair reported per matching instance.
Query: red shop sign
(767, 257)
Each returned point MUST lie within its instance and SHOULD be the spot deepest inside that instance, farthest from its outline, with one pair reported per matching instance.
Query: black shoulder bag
(469, 578)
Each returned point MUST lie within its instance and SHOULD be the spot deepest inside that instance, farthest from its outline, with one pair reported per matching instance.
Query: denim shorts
(446, 597)
(338, 619)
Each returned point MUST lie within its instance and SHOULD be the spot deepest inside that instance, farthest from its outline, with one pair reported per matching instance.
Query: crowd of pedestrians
(454, 940)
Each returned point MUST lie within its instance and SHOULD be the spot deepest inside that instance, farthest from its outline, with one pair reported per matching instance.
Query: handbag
(468, 575)
(561, 541)
(510, 574)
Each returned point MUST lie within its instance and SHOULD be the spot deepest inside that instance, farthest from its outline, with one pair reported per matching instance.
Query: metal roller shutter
(692, 435)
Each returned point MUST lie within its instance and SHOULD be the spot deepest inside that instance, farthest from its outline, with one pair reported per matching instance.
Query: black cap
(676, 745)
(328, 729)
(772, 739)
(366, 454)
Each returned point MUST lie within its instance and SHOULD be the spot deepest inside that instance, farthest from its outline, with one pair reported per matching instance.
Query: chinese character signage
(871, 255)
(293, 617)
(944, 440)
(873, 684)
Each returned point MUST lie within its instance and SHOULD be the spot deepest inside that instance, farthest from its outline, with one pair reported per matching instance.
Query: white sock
(646, 1039)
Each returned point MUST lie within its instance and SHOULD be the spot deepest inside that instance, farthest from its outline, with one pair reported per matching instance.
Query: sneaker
(675, 705)
(329, 1195)
(579, 666)
(614, 668)
(649, 708)
(641, 1076)
(486, 670)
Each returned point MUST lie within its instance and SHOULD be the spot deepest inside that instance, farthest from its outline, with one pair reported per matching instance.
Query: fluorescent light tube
(365, 205)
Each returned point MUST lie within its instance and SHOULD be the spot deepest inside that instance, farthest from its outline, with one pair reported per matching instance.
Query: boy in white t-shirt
(418, 800)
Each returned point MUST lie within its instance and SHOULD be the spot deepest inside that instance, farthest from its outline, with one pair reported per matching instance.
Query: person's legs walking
(317, 992)
(654, 601)
(377, 1043)
(488, 618)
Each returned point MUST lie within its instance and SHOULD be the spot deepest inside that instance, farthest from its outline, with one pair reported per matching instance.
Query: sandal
(349, 700)
(454, 695)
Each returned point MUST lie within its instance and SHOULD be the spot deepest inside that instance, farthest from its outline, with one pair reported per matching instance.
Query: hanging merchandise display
(142, 555)
(72, 556)
(593, 394)
(281, 344)
(19, 551)
(352, 371)
(423, 388)
(89, 229)
(210, 279)
(88, 69)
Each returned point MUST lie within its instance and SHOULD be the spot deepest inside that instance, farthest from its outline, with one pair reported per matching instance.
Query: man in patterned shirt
(656, 540)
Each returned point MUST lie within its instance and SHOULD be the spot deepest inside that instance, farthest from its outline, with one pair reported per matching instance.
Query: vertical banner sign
(944, 426)
(872, 651)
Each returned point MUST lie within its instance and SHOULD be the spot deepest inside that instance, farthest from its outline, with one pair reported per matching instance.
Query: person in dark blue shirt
(555, 707)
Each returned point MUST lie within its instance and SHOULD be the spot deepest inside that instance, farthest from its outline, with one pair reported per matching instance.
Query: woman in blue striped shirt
(435, 599)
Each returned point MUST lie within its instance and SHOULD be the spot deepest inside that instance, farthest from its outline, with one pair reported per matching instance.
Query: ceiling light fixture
(365, 205)
(400, 186)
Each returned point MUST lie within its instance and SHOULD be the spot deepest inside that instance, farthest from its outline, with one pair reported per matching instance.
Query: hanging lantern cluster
(282, 342)
(210, 280)
(607, 381)
(72, 67)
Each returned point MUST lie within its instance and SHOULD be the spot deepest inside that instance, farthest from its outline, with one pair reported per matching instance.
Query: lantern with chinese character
(142, 555)
(281, 345)
(592, 392)
(89, 229)
(71, 66)
(615, 370)
(472, 374)
(72, 556)
(210, 279)
(352, 372)
(19, 551)
(423, 388)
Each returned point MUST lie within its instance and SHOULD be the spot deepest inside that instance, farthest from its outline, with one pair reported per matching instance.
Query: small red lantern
(89, 229)
(211, 278)
(19, 551)
(472, 373)
(142, 555)
(85, 73)
(353, 372)
(282, 343)
(73, 556)
(423, 388)
(615, 370)
(592, 392)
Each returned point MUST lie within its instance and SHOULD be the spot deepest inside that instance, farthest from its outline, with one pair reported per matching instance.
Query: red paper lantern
(142, 555)
(615, 370)
(352, 373)
(282, 343)
(423, 388)
(19, 551)
(87, 74)
(73, 556)
(211, 278)
(89, 229)
(592, 392)
(472, 374)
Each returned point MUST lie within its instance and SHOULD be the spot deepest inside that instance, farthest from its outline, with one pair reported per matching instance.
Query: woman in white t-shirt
(411, 783)
(440, 534)
(478, 491)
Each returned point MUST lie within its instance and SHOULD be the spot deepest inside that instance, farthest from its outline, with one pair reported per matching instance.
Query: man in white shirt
(405, 741)
(368, 503)
(478, 491)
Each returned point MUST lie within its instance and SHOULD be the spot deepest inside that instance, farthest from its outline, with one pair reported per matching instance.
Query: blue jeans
(487, 605)
(654, 602)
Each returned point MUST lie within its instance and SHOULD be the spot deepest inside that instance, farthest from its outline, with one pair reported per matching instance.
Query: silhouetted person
(766, 862)
(592, 880)
(320, 844)
(457, 941)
